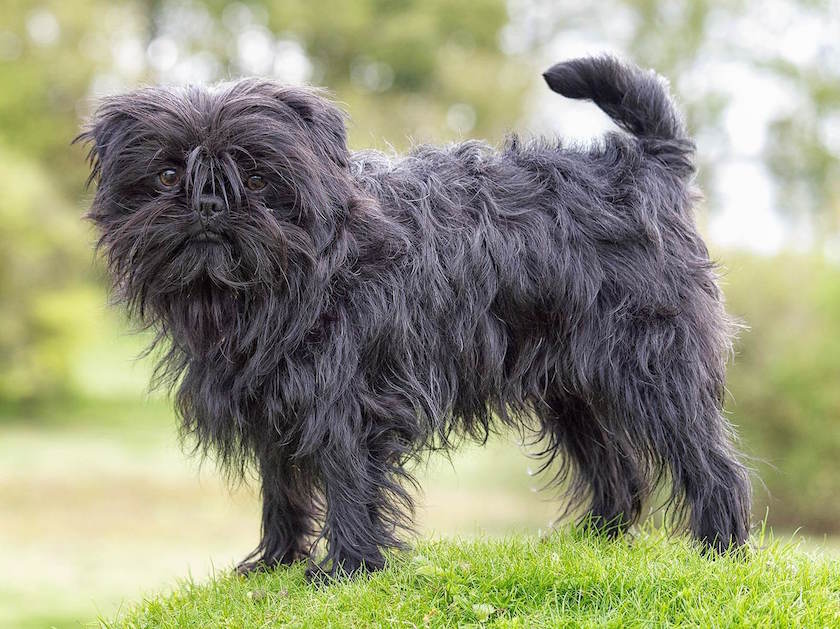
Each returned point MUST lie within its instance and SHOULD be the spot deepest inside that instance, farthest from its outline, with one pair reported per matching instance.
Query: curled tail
(637, 100)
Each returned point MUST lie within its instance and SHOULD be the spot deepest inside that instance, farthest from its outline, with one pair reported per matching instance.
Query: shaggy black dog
(327, 316)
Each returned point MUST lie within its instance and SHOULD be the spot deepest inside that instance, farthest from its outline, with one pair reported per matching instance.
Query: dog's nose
(209, 206)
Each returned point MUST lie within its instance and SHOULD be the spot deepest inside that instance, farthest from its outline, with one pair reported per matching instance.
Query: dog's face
(212, 190)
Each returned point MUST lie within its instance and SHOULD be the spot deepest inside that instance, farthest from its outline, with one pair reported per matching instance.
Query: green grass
(567, 579)
(95, 496)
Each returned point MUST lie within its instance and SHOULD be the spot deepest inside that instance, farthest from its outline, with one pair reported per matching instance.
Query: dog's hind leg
(669, 396)
(704, 467)
(597, 464)
(691, 435)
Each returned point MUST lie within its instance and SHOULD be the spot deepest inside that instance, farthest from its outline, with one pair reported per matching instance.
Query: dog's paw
(262, 563)
(341, 569)
(247, 567)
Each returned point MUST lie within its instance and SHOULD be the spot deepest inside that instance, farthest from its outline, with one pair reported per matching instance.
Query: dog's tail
(637, 100)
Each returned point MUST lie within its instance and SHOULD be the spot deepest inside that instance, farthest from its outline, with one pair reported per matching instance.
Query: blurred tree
(784, 392)
(41, 252)
(432, 69)
(429, 69)
(49, 54)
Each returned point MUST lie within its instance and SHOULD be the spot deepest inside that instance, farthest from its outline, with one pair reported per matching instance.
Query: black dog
(328, 315)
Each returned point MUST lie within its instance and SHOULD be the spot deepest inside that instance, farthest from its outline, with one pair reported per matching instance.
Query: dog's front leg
(287, 514)
(366, 504)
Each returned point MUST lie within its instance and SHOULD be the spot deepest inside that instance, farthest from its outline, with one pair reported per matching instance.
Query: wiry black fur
(363, 308)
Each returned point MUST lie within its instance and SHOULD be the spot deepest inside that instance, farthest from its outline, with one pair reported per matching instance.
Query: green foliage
(784, 383)
(42, 249)
(398, 66)
(43, 85)
(440, 53)
(564, 580)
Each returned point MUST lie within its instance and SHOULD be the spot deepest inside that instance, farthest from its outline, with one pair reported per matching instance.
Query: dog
(328, 316)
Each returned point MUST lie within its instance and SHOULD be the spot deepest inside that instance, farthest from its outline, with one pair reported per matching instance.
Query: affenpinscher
(328, 316)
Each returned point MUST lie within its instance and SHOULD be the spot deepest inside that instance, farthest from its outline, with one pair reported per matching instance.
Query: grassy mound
(568, 579)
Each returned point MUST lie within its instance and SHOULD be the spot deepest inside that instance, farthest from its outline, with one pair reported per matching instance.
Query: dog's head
(205, 191)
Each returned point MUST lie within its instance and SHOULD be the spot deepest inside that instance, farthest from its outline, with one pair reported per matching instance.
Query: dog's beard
(162, 249)
(169, 271)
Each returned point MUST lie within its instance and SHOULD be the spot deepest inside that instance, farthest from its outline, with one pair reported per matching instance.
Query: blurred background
(98, 501)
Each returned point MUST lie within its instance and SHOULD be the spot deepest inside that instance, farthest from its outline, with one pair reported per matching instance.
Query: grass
(94, 500)
(567, 579)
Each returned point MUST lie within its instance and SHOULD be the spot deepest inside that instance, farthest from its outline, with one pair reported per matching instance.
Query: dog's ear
(323, 119)
(105, 132)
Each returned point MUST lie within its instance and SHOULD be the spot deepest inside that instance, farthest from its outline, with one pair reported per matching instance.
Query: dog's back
(512, 253)
(572, 287)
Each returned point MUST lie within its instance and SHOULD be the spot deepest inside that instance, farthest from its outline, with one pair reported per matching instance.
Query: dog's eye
(255, 182)
(169, 177)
